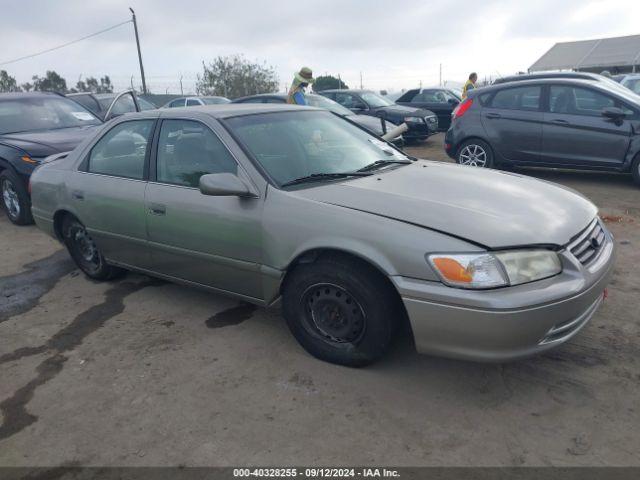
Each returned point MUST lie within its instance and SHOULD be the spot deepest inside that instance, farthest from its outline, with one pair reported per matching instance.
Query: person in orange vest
(469, 85)
(301, 80)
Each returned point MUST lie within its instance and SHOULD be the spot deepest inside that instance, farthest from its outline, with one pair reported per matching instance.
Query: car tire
(635, 169)
(475, 153)
(85, 253)
(341, 310)
(15, 198)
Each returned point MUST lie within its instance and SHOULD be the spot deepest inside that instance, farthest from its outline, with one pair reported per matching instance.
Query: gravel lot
(143, 372)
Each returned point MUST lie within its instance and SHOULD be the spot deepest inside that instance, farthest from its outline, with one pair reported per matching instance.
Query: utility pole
(181, 91)
(135, 29)
(440, 74)
(339, 82)
(360, 79)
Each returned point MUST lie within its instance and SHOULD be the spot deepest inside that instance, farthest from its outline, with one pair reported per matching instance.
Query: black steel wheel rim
(333, 314)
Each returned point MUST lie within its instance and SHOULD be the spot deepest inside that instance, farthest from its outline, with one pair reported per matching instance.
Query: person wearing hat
(300, 81)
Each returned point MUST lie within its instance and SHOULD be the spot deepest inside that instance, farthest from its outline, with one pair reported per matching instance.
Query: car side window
(521, 98)
(578, 101)
(177, 103)
(431, 96)
(349, 101)
(187, 150)
(409, 96)
(123, 105)
(192, 102)
(121, 152)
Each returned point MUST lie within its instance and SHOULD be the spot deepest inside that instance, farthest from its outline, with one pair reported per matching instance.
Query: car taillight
(462, 108)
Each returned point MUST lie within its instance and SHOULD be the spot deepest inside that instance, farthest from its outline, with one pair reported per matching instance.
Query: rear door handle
(77, 195)
(493, 115)
(559, 121)
(157, 209)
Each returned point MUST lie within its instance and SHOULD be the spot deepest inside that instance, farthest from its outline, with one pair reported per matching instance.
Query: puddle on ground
(231, 316)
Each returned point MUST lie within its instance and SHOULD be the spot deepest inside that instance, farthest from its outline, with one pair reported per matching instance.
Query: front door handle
(77, 195)
(493, 115)
(157, 209)
(559, 121)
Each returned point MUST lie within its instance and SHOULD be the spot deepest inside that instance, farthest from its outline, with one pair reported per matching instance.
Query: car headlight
(432, 119)
(498, 269)
(413, 119)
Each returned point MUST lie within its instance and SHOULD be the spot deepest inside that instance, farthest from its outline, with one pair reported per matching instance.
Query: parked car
(577, 124)
(33, 126)
(632, 82)
(270, 202)
(111, 104)
(374, 125)
(440, 101)
(422, 123)
(196, 101)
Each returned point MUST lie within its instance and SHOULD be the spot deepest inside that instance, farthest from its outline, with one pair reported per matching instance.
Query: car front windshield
(375, 101)
(328, 104)
(291, 145)
(29, 114)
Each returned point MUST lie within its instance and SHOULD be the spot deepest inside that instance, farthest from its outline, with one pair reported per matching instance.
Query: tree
(51, 82)
(8, 83)
(234, 76)
(27, 87)
(327, 82)
(92, 85)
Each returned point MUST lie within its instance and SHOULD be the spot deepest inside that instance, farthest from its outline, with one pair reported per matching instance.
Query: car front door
(108, 190)
(209, 240)
(512, 119)
(438, 101)
(575, 132)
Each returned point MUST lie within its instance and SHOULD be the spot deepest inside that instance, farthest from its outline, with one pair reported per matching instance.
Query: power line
(64, 45)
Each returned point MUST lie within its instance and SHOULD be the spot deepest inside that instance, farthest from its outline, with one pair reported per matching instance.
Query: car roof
(14, 95)
(223, 110)
(350, 90)
(543, 75)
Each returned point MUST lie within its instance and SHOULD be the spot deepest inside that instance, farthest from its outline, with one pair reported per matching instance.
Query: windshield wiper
(380, 163)
(315, 177)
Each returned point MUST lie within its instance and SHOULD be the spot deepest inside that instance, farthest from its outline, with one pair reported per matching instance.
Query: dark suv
(568, 123)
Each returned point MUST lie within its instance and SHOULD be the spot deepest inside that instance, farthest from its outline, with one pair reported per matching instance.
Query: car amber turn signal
(28, 159)
(452, 270)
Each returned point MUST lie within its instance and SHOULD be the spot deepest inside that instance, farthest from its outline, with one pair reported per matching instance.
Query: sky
(395, 44)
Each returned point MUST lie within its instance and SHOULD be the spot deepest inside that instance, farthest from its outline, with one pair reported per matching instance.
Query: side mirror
(225, 185)
(613, 113)
(453, 101)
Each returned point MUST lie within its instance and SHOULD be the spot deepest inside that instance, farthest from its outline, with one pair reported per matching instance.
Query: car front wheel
(475, 153)
(85, 252)
(15, 198)
(341, 310)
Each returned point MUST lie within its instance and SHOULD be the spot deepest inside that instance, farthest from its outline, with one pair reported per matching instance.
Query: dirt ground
(143, 372)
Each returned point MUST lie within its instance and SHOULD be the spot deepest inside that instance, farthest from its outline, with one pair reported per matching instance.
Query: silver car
(276, 203)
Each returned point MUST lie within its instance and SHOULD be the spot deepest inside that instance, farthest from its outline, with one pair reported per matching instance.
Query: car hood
(370, 123)
(487, 207)
(401, 110)
(48, 142)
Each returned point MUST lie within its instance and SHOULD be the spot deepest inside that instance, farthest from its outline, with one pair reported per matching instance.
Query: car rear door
(108, 190)
(210, 240)
(512, 119)
(575, 132)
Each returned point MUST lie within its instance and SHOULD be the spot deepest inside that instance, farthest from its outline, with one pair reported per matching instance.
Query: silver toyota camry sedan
(273, 203)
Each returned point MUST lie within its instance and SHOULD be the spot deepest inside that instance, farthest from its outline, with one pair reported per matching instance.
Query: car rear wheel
(340, 310)
(475, 153)
(15, 198)
(635, 169)
(85, 253)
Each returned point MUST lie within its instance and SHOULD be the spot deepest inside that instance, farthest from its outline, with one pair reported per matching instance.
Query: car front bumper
(509, 323)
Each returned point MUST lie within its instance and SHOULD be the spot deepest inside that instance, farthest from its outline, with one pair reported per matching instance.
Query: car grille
(588, 245)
